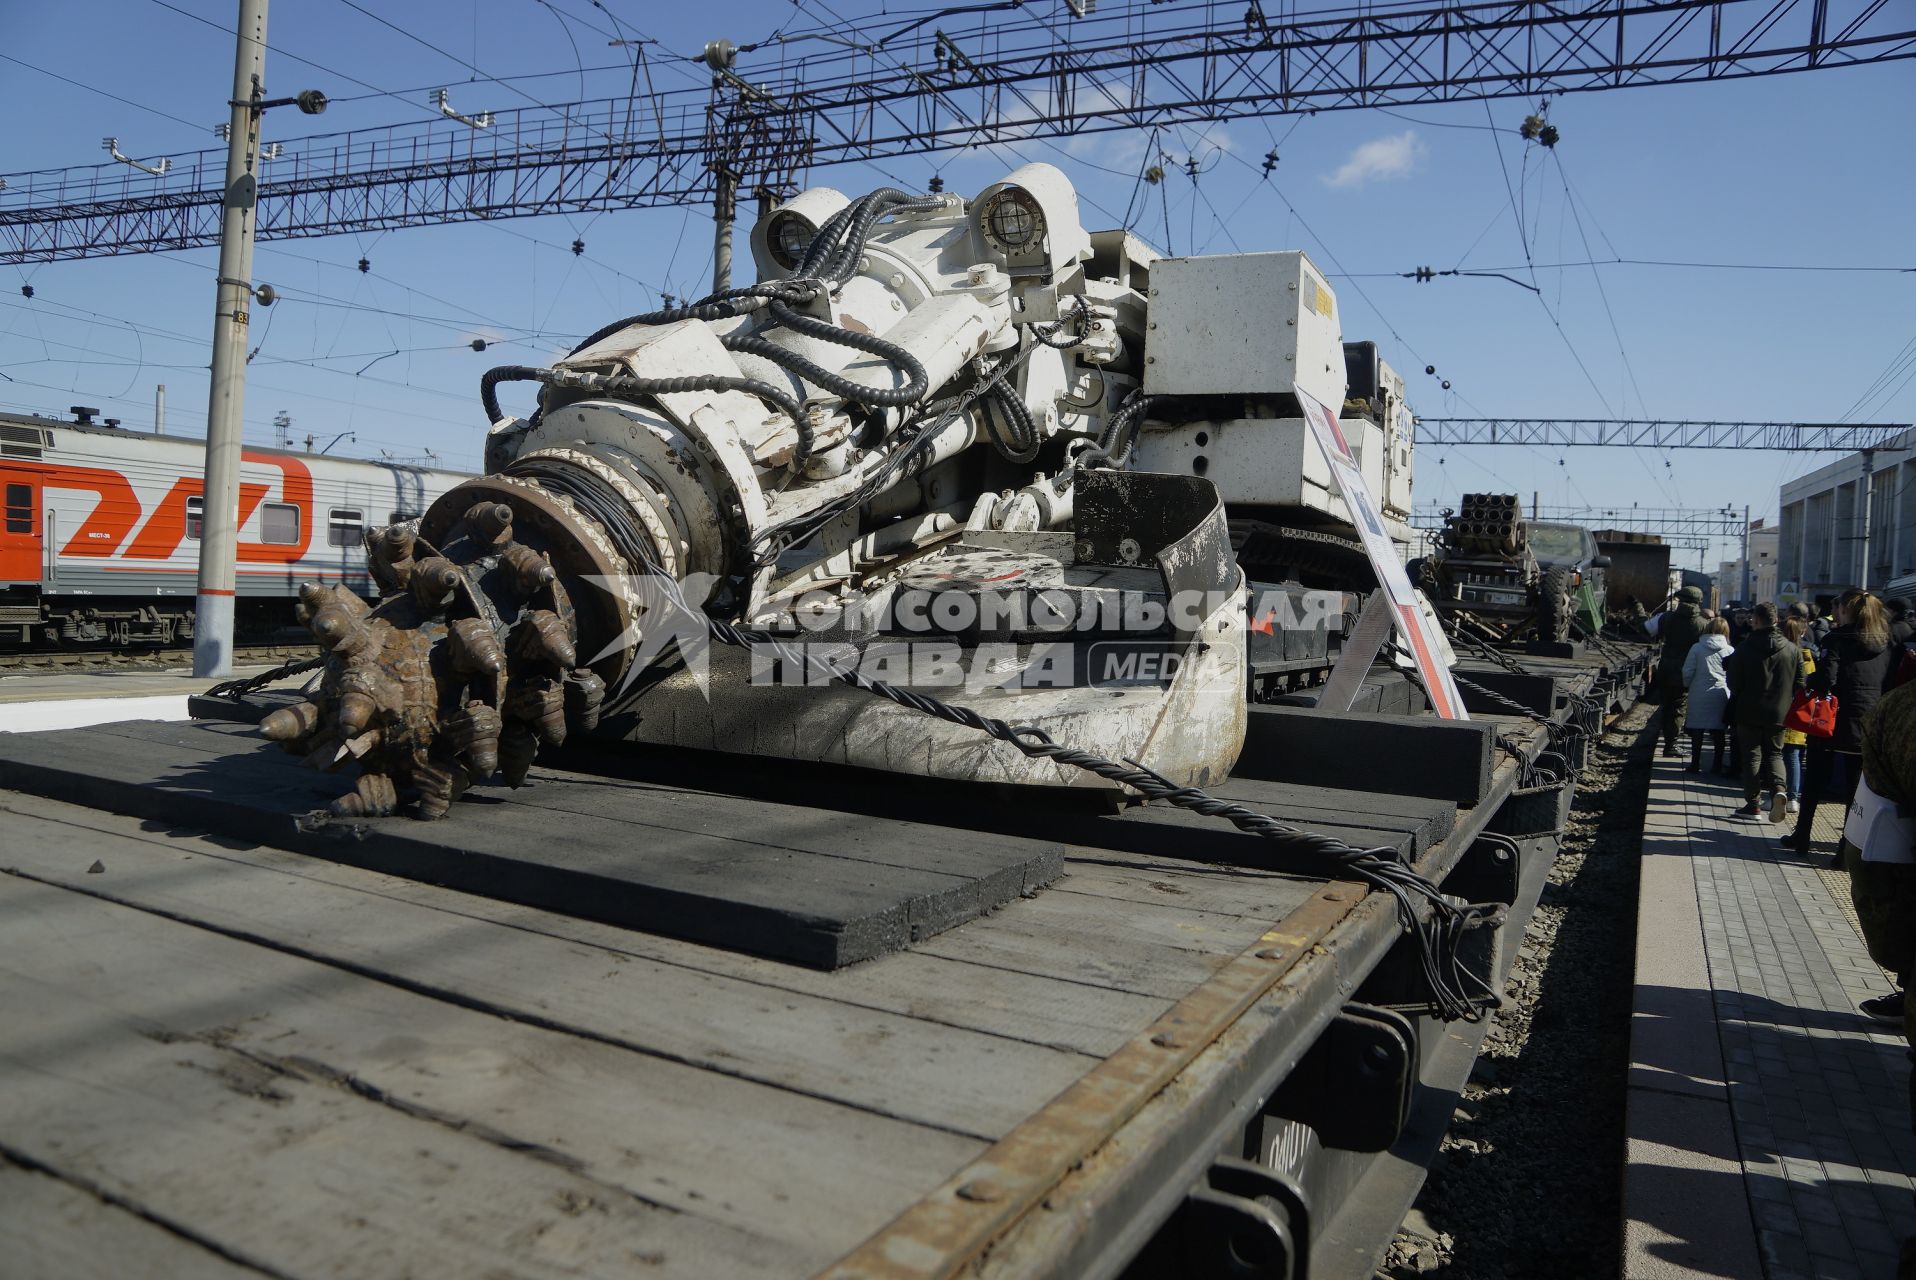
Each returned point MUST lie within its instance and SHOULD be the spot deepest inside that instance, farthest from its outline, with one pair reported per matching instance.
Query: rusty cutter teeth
(584, 695)
(473, 733)
(538, 702)
(543, 636)
(289, 724)
(440, 782)
(372, 796)
(434, 580)
(490, 522)
(474, 650)
(529, 569)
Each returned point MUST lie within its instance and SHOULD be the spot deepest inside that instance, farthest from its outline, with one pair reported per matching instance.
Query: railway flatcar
(99, 539)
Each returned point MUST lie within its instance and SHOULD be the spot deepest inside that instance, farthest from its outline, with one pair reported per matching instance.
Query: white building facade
(1824, 541)
(1764, 543)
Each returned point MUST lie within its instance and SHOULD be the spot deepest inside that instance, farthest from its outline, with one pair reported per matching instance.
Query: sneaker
(1749, 810)
(1778, 806)
(1792, 808)
(1887, 1008)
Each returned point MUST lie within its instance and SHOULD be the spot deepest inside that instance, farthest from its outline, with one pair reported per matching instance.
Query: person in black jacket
(1763, 673)
(1679, 629)
(1902, 628)
(1823, 623)
(1857, 664)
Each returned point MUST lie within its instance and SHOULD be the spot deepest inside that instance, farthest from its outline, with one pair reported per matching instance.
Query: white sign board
(1426, 643)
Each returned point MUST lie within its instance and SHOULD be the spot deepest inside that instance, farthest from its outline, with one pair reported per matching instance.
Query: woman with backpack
(1708, 701)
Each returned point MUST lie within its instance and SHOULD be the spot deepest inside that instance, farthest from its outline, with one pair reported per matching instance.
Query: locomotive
(99, 537)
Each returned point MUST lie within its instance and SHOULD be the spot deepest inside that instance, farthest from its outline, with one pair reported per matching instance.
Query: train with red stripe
(99, 537)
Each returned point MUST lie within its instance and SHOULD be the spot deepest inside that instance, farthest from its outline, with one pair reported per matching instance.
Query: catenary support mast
(219, 537)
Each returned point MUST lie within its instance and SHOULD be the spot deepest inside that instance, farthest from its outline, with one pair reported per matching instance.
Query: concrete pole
(1747, 601)
(159, 409)
(219, 540)
(1862, 573)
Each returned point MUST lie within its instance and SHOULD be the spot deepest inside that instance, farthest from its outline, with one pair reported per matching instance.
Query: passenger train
(99, 542)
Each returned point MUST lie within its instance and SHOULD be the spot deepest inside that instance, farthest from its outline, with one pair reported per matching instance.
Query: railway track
(142, 659)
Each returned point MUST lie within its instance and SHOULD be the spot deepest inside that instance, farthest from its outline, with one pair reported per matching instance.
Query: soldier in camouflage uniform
(1678, 629)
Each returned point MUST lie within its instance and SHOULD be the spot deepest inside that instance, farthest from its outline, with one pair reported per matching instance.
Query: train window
(195, 516)
(19, 508)
(344, 527)
(279, 524)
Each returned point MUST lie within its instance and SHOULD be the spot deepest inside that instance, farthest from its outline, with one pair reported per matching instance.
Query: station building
(1823, 547)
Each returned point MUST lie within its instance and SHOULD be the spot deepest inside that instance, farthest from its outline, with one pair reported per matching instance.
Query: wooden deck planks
(804, 884)
(1047, 1009)
(1160, 951)
(963, 1081)
(690, 1140)
(119, 1071)
(52, 1228)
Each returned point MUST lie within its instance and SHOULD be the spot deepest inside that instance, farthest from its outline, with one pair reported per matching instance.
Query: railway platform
(1768, 1128)
(35, 701)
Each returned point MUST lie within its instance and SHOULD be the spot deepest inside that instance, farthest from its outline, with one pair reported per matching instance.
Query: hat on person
(1693, 595)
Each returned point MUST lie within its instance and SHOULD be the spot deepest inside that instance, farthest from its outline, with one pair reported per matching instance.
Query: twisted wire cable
(1455, 992)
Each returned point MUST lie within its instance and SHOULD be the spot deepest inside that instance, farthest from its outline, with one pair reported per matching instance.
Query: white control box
(1243, 324)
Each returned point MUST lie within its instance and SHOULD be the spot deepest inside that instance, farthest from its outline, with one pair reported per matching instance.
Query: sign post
(1412, 624)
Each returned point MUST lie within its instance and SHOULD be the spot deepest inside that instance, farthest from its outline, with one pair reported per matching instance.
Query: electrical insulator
(365, 265)
(578, 248)
(936, 185)
(1425, 275)
(26, 291)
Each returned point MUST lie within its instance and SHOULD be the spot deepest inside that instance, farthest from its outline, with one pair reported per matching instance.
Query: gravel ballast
(1529, 1178)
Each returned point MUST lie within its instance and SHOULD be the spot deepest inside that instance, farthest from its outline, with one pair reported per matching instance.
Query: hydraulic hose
(1022, 446)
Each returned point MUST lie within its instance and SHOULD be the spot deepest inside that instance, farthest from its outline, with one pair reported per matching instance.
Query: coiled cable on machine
(831, 259)
(1120, 432)
(917, 383)
(1022, 446)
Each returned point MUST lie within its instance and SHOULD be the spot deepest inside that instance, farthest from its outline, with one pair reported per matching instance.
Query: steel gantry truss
(1796, 437)
(919, 89)
(1679, 526)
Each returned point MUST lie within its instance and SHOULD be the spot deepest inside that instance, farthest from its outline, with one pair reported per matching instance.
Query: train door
(22, 537)
(347, 512)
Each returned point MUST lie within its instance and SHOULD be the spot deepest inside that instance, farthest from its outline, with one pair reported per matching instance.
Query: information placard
(1412, 624)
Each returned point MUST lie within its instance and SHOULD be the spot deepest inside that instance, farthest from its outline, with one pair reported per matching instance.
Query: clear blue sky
(1815, 169)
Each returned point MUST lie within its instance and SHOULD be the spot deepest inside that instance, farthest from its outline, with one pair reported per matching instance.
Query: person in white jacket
(1708, 709)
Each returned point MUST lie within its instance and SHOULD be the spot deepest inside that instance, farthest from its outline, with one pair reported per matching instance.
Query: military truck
(1518, 579)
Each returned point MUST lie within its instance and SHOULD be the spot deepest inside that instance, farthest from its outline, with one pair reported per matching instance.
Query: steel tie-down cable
(1455, 992)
